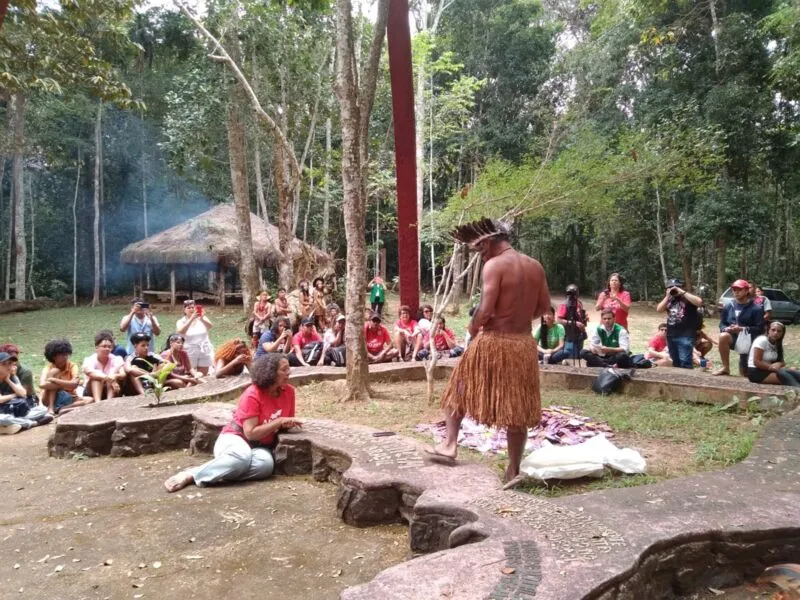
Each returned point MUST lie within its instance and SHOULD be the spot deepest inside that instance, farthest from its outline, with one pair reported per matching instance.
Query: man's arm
(492, 277)
(624, 340)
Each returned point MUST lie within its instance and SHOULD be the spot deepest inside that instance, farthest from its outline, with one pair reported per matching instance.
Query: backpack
(638, 361)
(609, 381)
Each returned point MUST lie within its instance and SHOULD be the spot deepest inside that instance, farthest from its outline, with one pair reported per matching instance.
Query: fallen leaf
(59, 568)
(337, 573)
(715, 591)
(157, 564)
(508, 570)
(108, 562)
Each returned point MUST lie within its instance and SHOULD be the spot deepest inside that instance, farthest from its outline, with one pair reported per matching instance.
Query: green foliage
(157, 378)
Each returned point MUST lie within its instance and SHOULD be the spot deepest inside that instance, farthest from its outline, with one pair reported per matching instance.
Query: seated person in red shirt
(243, 451)
(379, 342)
(657, 348)
(407, 335)
(444, 340)
(302, 339)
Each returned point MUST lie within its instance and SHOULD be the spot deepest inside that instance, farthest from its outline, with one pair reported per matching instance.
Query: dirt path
(105, 528)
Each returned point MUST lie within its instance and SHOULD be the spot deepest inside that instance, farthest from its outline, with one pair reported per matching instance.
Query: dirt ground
(106, 528)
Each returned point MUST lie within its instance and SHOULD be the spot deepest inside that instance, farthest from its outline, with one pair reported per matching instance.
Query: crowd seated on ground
(318, 339)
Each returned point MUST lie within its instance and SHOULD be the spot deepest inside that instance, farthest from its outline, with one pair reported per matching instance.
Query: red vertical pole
(399, 42)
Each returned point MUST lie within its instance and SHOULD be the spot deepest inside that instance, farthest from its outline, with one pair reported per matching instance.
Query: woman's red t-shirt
(257, 402)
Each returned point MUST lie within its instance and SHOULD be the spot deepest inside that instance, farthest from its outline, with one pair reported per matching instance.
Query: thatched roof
(212, 238)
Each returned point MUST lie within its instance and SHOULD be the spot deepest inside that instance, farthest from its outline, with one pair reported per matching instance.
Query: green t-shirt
(555, 334)
(378, 293)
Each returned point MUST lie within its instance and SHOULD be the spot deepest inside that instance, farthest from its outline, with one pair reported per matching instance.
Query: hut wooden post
(172, 285)
(221, 281)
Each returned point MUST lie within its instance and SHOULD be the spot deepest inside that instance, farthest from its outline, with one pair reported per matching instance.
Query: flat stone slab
(687, 385)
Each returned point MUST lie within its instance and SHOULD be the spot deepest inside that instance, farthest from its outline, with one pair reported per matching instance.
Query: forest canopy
(649, 138)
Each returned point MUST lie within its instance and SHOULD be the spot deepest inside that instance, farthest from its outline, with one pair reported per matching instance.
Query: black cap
(139, 337)
(375, 317)
(674, 282)
(307, 322)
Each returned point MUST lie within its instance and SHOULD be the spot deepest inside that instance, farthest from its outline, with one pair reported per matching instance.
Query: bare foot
(511, 474)
(721, 371)
(440, 455)
(179, 481)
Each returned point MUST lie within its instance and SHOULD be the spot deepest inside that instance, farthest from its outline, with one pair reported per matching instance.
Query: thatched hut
(211, 241)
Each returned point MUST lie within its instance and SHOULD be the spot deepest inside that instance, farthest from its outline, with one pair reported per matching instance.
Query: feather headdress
(477, 231)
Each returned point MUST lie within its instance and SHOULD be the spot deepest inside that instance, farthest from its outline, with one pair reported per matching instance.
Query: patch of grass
(676, 438)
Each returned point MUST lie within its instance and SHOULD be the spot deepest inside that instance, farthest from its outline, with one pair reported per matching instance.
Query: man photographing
(682, 322)
(572, 316)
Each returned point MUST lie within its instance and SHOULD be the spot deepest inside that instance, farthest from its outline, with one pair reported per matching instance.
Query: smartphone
(199, 309)
(144, 304)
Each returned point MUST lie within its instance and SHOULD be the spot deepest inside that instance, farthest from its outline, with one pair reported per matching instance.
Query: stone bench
(656, 541)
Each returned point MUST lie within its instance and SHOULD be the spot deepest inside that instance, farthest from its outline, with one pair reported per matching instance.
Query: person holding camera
(194, 326)
(683, 320)
(572, 316)
(140, 320)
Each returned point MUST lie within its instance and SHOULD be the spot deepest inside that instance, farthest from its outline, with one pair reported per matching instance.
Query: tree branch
(221, 55)
(369, 81)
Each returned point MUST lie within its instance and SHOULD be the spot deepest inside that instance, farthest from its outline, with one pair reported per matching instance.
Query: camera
(673, 291)
(144, 305)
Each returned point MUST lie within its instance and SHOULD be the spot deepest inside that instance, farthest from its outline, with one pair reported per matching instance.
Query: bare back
(515, 290)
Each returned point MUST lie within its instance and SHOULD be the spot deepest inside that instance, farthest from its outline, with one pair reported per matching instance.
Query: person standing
(741, 317)
(377, 294)
(140, 320)
(497, 379)
(194, 326)
(572, 316)
(616, 298)
(683, 321)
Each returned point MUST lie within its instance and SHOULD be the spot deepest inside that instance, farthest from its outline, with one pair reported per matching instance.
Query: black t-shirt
(146, 364)
(682, 318)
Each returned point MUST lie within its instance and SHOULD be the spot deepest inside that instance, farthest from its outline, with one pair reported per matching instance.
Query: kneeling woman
(765, 363)
(243, 450)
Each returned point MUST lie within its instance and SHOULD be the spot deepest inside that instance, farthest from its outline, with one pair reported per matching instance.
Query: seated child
(60, 380)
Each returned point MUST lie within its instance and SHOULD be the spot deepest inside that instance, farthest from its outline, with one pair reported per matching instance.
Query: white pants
(235, 460)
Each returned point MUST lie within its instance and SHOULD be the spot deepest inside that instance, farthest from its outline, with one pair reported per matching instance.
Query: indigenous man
(497, 380)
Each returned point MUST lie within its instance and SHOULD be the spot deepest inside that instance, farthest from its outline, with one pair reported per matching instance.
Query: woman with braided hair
(497, 380)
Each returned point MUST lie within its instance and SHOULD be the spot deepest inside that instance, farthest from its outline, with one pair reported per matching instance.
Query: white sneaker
(10, 429)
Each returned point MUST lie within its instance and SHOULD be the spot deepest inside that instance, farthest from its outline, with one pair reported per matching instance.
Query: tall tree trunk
(721, 246)
(75, 233)
(19, 102)
(680, 243)
(33, 237)
(283, 186)
(248, 274)
(261, 199)
(5, 243)
(354, 109)
(98, 143)
(10, 247)
(326, 209)
(660, 238)
(310, 196)
(715, 33)
(419, 113)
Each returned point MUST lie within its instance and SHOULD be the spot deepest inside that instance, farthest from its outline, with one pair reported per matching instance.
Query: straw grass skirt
(497, 381)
